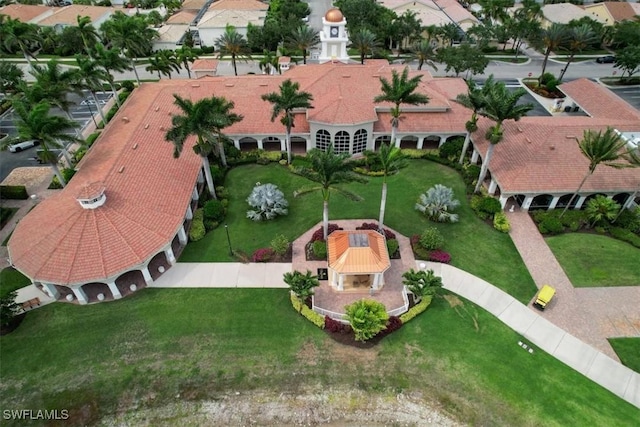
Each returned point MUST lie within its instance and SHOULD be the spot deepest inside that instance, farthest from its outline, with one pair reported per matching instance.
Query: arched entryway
(564, 200)
(431, 142)
(271, 143)
(97, 292)
(409, 142)
(126, 280)
(385, 139)
(589, 197)
(621, 198)
(247, 144)
(298, 145)
(159, 260)
(541, 201)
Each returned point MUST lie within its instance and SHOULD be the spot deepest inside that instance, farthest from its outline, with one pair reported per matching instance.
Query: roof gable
(357, 252)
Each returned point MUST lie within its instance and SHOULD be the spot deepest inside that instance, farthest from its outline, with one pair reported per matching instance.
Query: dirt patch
(310, 407)
(30, 177)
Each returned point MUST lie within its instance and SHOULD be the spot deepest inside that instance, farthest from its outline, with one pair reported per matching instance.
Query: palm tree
(91, 77)
(288, 99)
(234, 44)
(301, 284)
(10, 77)
(423, 52)
(401, 90)
(552, 38)
(304, 38)
(205, 119)
(500, 105)
(421, 283)
(268, 63)
(450, 32)
(328, 170)
(474, 100)
(598, 148)
(110, 60)
(36, 123)
(21, 36)
(163, 61)
(186, 56)
(391, 160)
(579, 38)
(365, 41)
(87, 32)
(634, 162)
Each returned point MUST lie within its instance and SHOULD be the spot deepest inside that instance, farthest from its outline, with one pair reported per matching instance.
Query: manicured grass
(474, 246)
(591, 260)
(11, 279)
(144, 350)
(628, 350)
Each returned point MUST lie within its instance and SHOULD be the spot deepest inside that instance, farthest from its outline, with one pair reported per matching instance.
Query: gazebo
(357, 259)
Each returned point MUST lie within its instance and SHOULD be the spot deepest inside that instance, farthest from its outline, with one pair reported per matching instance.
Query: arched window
(341, 144)
(359, 141)
(323, 139)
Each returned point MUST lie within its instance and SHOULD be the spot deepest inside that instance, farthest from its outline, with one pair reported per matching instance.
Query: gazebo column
(146, 275)
(475, 156)
(553, 203)
(493, 185)
(114, 290)
(376, 280)
(194, 194)
(341, 282)
(581, 200)
(189, 214)
(170, 256)
(527, 202)
(200, 177)
(79, 293)
(182, 236)
(51, 290)
(503, 200)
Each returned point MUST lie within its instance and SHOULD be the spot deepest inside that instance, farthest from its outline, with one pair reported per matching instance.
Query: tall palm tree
(500, 105)
(87, 32)
(599, 147)
(35, 122)
(159, 63)
(10, 77)
(365, 42)
(186, 56)
(400, 90)
(552, 38)
(328, 169)
(92, 77)
(391, 160)
(423, 52)
(205, 119)
(21, 36)
(288, 99)
(634, 161)
(232, 43)
(304, 38)
(474, 100)
(268, 63)
(579, 38)
(110, 60)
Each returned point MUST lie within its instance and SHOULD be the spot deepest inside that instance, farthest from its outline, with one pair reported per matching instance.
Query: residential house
(610, 12)
(563, 13)
(238, 13)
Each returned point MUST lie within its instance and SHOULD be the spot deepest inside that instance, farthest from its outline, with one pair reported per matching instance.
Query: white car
(19, 146)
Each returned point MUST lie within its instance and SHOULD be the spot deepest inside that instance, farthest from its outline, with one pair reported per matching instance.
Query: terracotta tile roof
(171, 32)
(90, 190)
(183, 17)
(146, 189)
(598, 101)
(193, 4)
(562, 13)
(25, 12)
(68, 15)
(621, 11)
(357, 252)
(204, 64)
(238, 5)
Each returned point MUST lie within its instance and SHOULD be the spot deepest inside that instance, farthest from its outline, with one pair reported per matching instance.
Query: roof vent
(146, 126)
(552, 147)
(157, 108)
(121, 169)
(570, 136)
(135, 146)
(528, 140)
(346, 76)
(162, 128)
(264, 84)
(195, 85)
(228, 84)
(91, 196)
(519, 129)
(125, 119)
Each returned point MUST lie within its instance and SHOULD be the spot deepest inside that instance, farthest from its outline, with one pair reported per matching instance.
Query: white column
(503, 200)
(474, 157)
(443, 139)
(170, 256)
(493, 185)
(182, 236)
(79, 293)
(51, 290)
(114, 290)
(341, 282)
(194, 194)
(283, 144)
(236, 142)
(580, 202)
(200, 177)
(147, 275)
(260, 144)
(554, 202)
(421, 142)
(189, 214)
(376, 280)
(527, 203)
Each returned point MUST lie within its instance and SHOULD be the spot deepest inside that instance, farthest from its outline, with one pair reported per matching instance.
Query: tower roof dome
(334, 15)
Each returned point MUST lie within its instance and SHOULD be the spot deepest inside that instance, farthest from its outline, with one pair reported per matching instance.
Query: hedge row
(312, 316)
(416, 309)
(13, 192)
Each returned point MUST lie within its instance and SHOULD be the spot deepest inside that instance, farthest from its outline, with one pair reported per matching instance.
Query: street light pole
(226, 228)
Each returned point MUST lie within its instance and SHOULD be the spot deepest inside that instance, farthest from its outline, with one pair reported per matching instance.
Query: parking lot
(82, 110)
(630, 94)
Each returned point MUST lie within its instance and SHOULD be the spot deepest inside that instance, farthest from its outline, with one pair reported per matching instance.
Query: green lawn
(99, 359)
(628, 350)
(474, 246)
(593, 260)
(11, 279)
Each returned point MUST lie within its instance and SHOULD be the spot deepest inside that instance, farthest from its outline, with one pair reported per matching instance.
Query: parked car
(609, 59)
(19, 146)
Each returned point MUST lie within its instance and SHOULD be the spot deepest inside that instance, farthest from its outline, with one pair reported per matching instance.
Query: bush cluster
(550, 225)
(334, 326)
(485, 206)
(262, 255)
(431, 239)
(319, 233)
(418, 250)
(451, 149)
(14, 192)
(197, 230)
(280, 244)
(367, 172)
(388, 234)
(413, 153)
(67, 174)
(416, 309)
(625, 235)
(312, 316)
(319, 248)
(392, 246)
(501, 223)
(393, 324)
(439, 256)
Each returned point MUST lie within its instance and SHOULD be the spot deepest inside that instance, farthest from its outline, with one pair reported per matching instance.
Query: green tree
(578, 39)
(365, 42)
(22, 37)
(8, 307)
(628, 60)
(626, 33)
(328, 170)
(35, 122)
(400, 90)
(10, 77)
(552, 38)
(88, 33)
(268, 63)
(473, 100)
(421, 283)
(301, 284)
(303, 39)
(232, 43)
(599, 148)
(186, 56)
(391, 160)
(408, 29)
(500, 105)
(285, 102)
(91, 77)
(495, 10)
(110, 60)
(601, 209)
(450, 33)
(464, 58)
(367, 318)
(633, 160)
(163, 62)
(422, 51)
(368, 14)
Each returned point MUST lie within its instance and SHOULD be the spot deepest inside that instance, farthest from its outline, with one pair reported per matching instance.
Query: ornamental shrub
(334, 326)
(388, 234)
(413, 153)
(629, 219)
(437, 204)
(67, 174)
(217, 174)
(262, 255)
(625, 235)
(14, 192)
(452, 148)
(213, 210)
(315, 318)
(128, 85)
(439, 256)
(416, 309)
(197, 230)
(550, 225)
(210, 224)
(222, 193)
(418, 251)
(267, 202)
(319, 248)
(280, 244)
(270, 156)
(367, 318)
(470, 174)
(431, 239)
(319, 233)
(501, 223)
(392, 246)
(490, 205)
